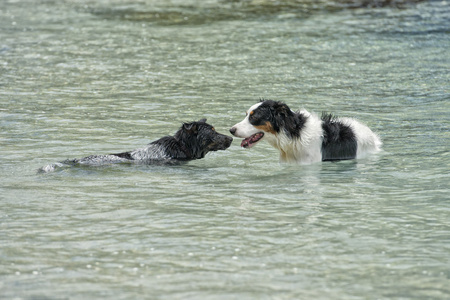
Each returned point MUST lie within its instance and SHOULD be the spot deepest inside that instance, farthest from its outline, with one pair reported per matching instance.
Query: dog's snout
(233, 130)
(229, 139)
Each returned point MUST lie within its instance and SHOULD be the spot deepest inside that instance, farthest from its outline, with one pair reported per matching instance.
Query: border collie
(192, 141)
(303, 137)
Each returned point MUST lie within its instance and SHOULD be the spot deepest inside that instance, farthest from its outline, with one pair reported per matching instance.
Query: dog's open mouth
(252, 140)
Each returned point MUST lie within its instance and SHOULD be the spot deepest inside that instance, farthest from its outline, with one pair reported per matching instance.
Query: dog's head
(200, 137)
(264, 120)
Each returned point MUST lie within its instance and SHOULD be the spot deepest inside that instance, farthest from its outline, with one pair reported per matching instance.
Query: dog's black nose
(228, 142)
(232, 130)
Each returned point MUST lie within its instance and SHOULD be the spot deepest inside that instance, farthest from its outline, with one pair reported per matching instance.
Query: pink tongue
(246, 143)
(250, 141)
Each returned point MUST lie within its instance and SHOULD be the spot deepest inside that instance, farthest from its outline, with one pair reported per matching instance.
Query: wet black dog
(192, 141)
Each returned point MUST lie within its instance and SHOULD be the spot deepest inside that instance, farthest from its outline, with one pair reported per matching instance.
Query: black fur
(280, 117)
(339, 140)
(192, 141)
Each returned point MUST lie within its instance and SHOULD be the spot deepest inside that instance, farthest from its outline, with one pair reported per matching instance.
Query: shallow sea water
(95, 77)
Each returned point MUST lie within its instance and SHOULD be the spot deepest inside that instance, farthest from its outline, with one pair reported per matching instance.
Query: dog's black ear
(281, 109)
(190, 127)
(202, 120)
(187, 126)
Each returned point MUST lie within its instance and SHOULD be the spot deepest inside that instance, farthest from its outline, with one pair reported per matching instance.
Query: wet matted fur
(192, 141)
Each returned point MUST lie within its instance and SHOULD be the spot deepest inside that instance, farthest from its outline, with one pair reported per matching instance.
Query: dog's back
(339, 139)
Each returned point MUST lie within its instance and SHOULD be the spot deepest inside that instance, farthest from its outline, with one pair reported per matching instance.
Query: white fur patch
(368, 141)
(244, 129)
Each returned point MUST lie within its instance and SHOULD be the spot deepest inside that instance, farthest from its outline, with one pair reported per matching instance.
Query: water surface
(95, 77)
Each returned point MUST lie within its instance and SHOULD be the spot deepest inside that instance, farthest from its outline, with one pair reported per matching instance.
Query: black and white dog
(303, 137)
(192, 141)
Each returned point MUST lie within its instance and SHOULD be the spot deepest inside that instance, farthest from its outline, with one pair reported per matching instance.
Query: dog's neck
(302, 148)
(185, 150)
(288, 147)
(190, 148)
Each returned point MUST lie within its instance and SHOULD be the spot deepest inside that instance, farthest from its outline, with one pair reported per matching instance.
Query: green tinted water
(81, 77)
